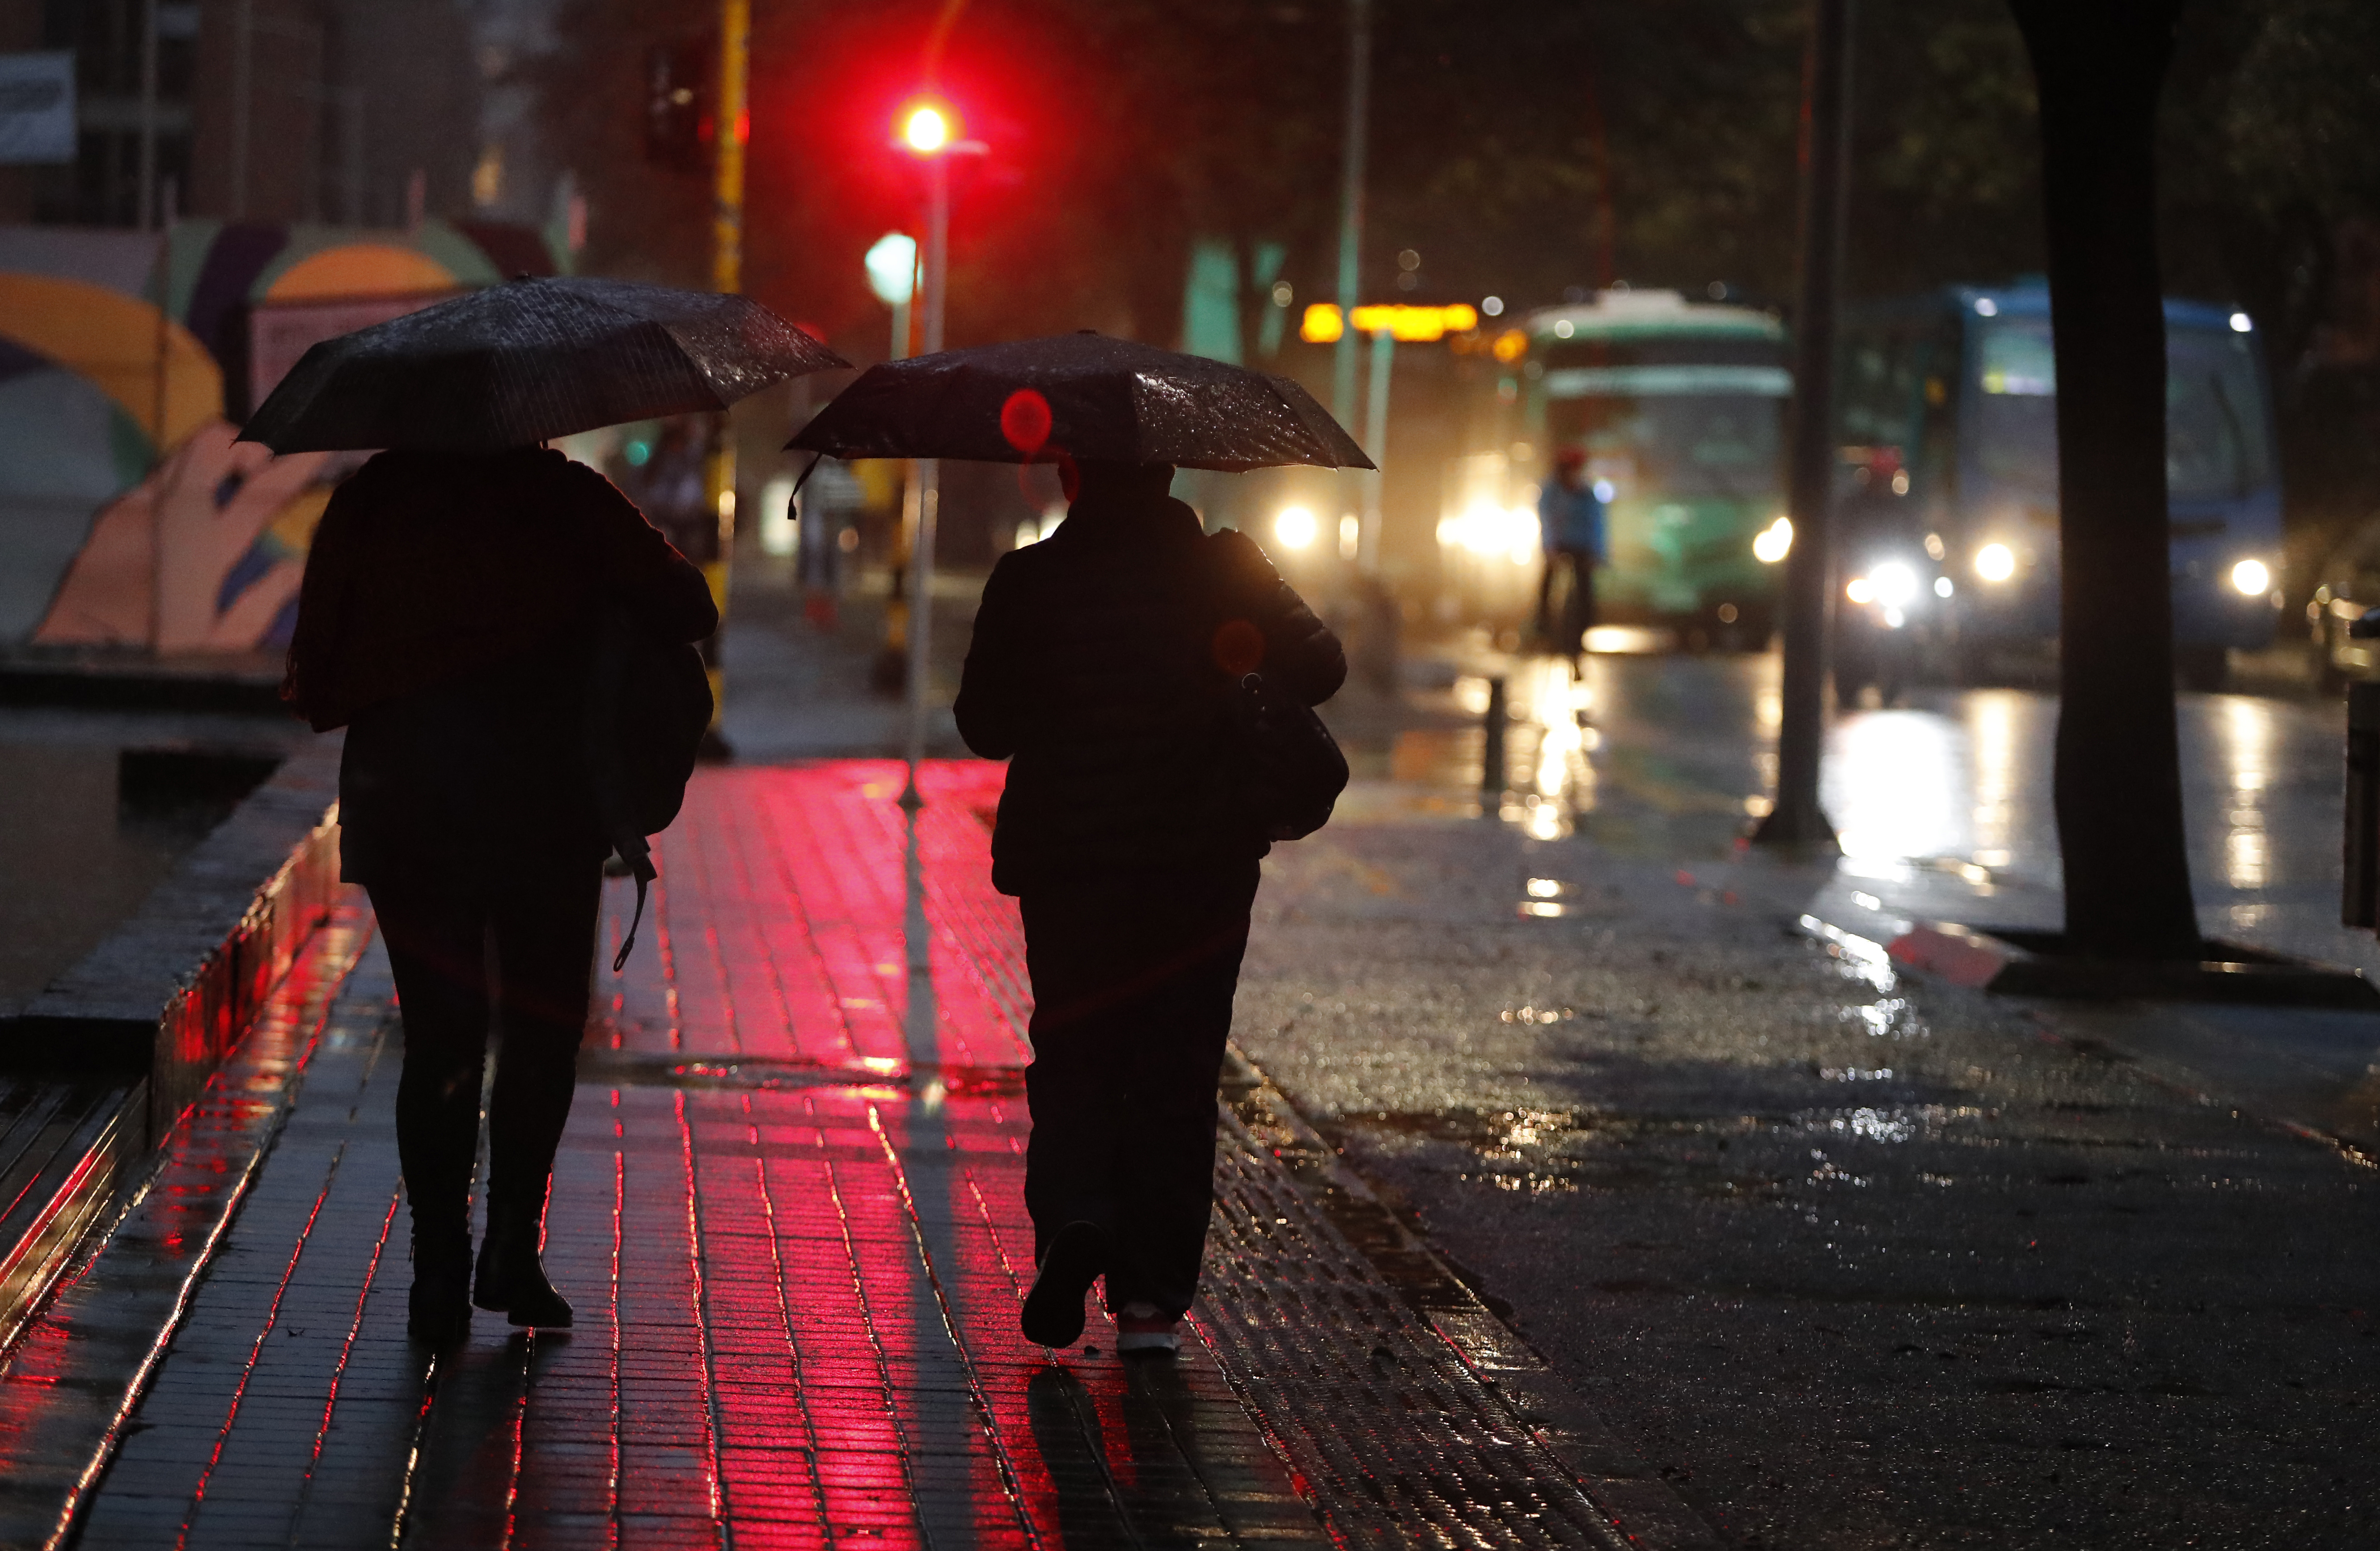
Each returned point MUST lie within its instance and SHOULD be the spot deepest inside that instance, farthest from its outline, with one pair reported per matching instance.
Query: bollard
(1491, 762)
(2359, 903)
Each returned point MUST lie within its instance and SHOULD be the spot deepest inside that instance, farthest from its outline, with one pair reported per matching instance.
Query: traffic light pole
(1796, 820)
(921, 1017)
(730, 126)
(929, 470)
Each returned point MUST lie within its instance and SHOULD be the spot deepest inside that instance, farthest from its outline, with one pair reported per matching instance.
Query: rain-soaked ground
(1857, 1261)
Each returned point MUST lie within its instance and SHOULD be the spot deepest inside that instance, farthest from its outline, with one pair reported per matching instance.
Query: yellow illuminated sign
(1407, 325)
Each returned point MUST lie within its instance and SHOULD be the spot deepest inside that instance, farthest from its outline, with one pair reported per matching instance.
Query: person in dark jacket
(1102, 666)
(446, 621)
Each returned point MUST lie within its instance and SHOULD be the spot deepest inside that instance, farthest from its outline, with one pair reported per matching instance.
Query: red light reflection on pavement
(65, 1357)
(778, 922)
(796, 1266)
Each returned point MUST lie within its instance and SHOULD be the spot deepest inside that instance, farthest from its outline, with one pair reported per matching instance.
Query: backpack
(648, 706)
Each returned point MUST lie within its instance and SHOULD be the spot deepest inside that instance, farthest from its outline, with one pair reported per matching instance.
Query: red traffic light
(927, 127)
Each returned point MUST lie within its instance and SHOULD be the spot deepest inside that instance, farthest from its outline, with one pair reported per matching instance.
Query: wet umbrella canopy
(531, 360)
(1083, 395)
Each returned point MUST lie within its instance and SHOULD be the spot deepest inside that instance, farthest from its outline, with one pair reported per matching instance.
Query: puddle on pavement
(680, 1070)
(1541, 1151)
(1885, 1018)
(1537, 1151)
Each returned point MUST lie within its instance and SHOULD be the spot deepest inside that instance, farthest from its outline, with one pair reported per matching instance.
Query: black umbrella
(528, 360)
(1085, 395)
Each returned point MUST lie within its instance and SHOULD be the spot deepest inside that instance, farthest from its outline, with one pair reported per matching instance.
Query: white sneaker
(1142, 1330)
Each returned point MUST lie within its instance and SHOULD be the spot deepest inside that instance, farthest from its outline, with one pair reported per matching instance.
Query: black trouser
(1578, 608)
(518, 948)
(1133, 976)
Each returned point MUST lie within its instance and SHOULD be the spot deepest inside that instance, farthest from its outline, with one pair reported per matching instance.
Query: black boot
(438, 1310)
(511, 1280)
(1053, 1310)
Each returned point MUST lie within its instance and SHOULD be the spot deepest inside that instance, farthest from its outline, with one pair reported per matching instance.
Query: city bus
(1679, 407)
(1947, 413)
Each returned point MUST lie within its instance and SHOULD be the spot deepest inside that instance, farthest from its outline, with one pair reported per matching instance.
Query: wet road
(1945, 798)
(1858, 1261)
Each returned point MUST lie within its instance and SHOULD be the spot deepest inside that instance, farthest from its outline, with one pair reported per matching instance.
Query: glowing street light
(892, 275)
(892, 269)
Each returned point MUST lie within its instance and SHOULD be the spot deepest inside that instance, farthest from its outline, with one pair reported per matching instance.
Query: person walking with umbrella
(454, 597)
(1111, 665)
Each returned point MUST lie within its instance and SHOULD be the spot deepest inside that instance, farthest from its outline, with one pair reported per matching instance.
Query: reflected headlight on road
(1295, 527)
(1772, 543)
(1995, 563)
(2253, 577)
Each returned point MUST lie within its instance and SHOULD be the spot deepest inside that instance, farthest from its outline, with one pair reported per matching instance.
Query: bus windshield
(1674, 418)
(2215, 442)
(1681, 446)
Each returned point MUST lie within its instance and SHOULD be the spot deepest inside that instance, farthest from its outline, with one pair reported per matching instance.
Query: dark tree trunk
(2118, 788)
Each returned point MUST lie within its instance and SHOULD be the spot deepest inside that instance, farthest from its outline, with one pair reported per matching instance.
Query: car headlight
(1896, 583)
(1295, 527)
(2253, 577)
(1995, 563)
(1860, 591)
(1772, 543)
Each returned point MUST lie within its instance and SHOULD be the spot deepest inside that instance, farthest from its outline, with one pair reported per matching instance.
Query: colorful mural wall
(129, 516)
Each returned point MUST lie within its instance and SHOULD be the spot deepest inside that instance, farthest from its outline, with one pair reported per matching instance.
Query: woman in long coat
(446, 621)
(1103, 665)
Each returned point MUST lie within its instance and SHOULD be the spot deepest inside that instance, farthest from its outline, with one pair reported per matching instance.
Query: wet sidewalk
(795, 1241)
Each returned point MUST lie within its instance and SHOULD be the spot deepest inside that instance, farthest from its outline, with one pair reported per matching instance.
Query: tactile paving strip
(1412, 1414)
(1399, 1441)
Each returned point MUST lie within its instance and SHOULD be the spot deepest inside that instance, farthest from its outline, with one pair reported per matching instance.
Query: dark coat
(1095, 668)
(445, 620)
